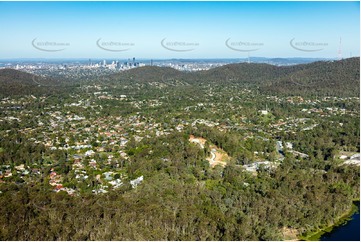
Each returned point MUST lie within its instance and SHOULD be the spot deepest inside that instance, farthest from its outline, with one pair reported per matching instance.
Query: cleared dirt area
(218, 156)
(197, 140)
(289, 234)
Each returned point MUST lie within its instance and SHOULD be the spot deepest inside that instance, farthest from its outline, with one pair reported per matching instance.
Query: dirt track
(218, 156)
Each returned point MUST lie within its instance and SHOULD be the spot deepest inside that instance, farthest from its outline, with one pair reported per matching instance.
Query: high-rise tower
(340, 50)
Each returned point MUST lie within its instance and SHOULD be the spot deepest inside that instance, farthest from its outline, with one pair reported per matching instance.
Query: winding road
(213, 153)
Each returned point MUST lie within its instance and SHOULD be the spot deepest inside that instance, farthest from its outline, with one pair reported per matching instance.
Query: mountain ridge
(340, 78)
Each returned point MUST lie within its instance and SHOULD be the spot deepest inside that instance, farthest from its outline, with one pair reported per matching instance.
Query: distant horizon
(139, 58)
(179, 30)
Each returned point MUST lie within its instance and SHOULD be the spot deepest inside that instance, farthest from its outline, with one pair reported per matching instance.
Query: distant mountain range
(273, 61)
(339, 78)
(333, 78)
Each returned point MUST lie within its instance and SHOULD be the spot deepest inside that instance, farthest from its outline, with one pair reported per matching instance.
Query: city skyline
(181, 30)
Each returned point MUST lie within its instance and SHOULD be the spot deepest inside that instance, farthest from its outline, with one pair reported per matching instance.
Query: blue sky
(189, 29)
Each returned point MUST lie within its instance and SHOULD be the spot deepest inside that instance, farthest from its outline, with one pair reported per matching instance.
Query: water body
(350, 231)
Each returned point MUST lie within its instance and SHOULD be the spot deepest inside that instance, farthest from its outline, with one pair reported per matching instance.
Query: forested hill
(11, 76)
(14, 82)
(149, 74)
(244, 73)
(331, 78)
(337, 78)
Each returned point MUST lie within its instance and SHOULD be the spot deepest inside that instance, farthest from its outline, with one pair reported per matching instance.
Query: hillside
(246, 73)
(157, 154)
(149, 74)
(10, 76)
(14, 82)
(331, 78)
(336, 78)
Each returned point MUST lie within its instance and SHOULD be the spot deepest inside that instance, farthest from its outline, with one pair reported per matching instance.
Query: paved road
(198, 142)
(213, 153)
(280, 150)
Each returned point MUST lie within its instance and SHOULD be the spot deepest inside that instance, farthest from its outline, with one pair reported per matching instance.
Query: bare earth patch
(289, 234)
(218, 156)
(198, 140)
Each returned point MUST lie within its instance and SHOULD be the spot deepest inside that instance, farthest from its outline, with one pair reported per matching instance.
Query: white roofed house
(89, 153)
(355, 157)
(136, 182)
(264, 112)
(289, 145)
(354, 160)
(123, 141)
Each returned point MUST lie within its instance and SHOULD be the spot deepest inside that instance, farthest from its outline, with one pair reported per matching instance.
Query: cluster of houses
(293, 124)
(351, 160)
(254, 167)
(97, 144)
